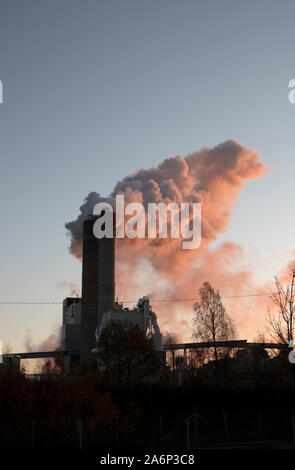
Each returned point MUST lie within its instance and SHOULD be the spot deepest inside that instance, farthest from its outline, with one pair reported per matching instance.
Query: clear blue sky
(95, 89)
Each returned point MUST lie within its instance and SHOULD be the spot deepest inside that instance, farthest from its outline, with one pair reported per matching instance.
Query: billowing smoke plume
(51, 343)
(76, 227)
(160, 267)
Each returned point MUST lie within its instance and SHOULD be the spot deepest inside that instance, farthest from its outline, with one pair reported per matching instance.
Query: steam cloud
(212, 176)
(51, 343)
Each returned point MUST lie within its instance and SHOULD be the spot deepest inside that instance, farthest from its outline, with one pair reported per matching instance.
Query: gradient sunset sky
(95, 89)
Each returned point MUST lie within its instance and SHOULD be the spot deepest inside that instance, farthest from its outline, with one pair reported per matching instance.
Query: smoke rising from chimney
(161, 268)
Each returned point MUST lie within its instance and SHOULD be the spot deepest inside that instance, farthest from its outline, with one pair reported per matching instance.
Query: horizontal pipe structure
(268, 345)
(168, 347)
(42, 354)
(243, 343)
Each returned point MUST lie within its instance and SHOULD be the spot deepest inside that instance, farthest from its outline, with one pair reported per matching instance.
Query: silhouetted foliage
(126, 355)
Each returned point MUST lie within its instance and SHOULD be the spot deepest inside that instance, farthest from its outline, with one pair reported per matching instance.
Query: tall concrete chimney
(98, 285)
(106, 276)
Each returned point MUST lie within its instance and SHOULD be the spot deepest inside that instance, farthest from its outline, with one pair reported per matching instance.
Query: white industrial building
(142, 315)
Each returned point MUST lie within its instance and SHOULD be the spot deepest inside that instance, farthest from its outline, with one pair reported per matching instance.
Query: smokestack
(106, 276)
(98, 285)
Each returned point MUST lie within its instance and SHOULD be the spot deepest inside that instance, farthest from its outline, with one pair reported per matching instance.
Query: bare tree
(261, 337)
(211, 321)
(281, 325)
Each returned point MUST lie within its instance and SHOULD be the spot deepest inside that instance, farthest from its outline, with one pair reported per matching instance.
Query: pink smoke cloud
(161, 268)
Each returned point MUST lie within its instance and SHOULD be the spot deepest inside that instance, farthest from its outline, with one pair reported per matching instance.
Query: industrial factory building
(84, 318)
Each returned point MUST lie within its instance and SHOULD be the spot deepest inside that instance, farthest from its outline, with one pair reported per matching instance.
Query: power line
(198, 298)
(13, 302)
(125, 301)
